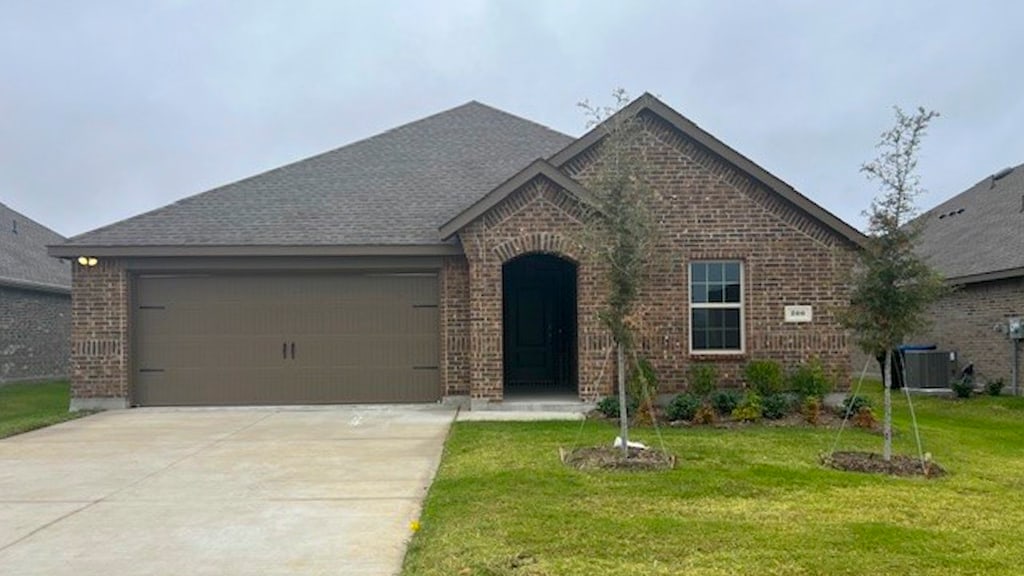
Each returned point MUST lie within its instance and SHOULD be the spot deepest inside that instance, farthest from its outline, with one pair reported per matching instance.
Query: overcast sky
(109, 109)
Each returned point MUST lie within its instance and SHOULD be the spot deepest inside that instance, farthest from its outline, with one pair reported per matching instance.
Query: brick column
(99, 336)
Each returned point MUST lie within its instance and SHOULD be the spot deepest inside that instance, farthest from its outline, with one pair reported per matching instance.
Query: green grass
(25, 407)
(745, 501)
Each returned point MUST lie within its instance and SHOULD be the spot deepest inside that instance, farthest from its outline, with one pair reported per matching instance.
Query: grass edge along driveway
(747, 501)
(26, 407)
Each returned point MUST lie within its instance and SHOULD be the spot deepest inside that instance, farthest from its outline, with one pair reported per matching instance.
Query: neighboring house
(441, 259)
(35, 302)
(976, 241)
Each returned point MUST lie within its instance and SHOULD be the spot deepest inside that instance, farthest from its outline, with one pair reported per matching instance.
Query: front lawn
(25, 407)
(747, 501)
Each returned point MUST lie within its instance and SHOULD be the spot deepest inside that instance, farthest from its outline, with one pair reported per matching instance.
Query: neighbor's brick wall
(963, 321)
(99, 331)
(35, 334)
(706, 210)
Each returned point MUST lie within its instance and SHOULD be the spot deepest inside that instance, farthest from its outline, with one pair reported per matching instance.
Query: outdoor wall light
(87, 261)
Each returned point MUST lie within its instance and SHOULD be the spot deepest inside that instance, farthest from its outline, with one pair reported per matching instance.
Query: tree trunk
(623, 416)
(887, 419)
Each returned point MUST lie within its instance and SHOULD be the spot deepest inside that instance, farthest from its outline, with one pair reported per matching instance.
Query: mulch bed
(871, 462)
(827, 419)
(609, 458)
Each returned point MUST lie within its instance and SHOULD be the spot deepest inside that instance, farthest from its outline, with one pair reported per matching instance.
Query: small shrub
(809, 380)
(609, 406)
(643, 381)
(994, 387)
(811, 410)
(963, 387)
(643, 385)
(749, 409)
(853, 405)
(864, 418)
(703, 379)
(764, 376)
(705, 415)
(683, 407)
(725, 401)
(776, 406)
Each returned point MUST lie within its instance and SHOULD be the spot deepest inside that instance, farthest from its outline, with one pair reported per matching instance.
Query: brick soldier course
(713, 205)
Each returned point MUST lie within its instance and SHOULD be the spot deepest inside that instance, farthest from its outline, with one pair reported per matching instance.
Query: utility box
(1015, 328)
(926, 368)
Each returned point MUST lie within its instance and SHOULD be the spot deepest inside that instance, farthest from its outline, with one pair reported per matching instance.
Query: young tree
(622, 232)
(892, 286)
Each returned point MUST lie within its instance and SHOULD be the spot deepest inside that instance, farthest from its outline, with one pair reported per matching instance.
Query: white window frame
(741, 305)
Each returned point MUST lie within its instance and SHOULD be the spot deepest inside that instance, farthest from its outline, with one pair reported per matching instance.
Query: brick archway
(539, 218)
(539, 326)
(538, 243)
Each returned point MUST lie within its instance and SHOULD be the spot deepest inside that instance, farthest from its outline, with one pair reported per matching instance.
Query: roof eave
(985, 276)
(539, 167)
(100, 251)
(719, 148)
(35, 286)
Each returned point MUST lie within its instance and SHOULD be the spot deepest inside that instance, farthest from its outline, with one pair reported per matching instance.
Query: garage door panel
(206, 339)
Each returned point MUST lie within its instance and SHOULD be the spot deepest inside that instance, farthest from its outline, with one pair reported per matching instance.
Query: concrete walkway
(218, 491)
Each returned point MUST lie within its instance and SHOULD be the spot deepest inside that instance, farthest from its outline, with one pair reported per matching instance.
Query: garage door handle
(293, 350)
(284, 350)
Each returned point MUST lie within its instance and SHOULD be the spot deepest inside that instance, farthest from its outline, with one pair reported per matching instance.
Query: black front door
(540, 325)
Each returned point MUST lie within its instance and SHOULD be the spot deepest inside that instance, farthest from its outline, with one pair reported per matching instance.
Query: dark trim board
(74, 251)
(281, 263)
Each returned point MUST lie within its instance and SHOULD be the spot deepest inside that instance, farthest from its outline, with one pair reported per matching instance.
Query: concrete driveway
(218, 491)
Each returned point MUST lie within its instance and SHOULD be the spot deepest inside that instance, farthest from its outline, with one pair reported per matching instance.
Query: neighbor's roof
(978, 234)
(23, 259)
(394, 189)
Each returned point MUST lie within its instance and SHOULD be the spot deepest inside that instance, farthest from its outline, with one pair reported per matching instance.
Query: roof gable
(23, 259)
(494, 197)
(978, 234)
(648, 103)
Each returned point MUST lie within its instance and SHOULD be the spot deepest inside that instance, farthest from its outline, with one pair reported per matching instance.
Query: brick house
(976, 240)
(441, 259)
(35, 302)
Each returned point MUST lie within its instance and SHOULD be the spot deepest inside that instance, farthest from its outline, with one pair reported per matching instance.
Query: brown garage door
(285, 339)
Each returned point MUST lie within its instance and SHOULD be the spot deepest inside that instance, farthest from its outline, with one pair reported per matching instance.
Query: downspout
(1016, 363)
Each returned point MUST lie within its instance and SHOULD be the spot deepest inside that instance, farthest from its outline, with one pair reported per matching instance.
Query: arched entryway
(539, 326)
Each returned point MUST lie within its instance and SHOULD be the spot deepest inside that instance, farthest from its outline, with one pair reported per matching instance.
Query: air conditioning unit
(927, 368)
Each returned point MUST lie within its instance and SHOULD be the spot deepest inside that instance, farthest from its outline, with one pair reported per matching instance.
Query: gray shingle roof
(23, 258)
(395, 188)
(979, 231)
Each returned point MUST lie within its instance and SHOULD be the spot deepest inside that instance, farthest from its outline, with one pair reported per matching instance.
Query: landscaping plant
(994, 387)
(643, 386)
(764, 376)
(891, 285)
(621, 231)
(963, 386)
(776, 406)
(749, 409)
(725, 401)
(809, 380)
(811, 410)
(683, 407)
(703, 378)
